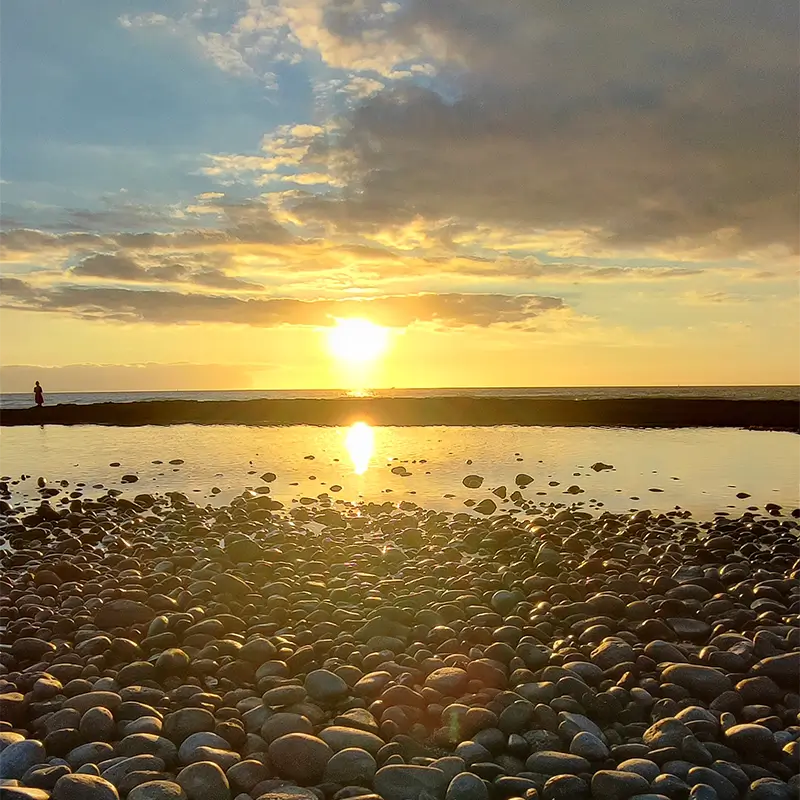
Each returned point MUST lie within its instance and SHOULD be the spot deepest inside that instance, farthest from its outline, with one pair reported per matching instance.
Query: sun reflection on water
(360, 444)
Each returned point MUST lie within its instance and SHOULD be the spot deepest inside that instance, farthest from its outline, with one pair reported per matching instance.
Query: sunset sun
(357, 341)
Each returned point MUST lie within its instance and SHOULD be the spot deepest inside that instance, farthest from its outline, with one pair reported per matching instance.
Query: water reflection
(360, 443)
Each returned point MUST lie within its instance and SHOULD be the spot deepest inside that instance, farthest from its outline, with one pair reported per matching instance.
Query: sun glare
(357, 340)
(360, 442)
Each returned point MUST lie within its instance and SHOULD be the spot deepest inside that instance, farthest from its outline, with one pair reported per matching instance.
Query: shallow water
(697, 469)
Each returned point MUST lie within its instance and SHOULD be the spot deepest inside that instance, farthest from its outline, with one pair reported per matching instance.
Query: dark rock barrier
(634, 412)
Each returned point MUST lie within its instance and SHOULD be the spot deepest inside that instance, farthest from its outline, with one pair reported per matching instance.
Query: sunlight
(360, 443)
(357, 341)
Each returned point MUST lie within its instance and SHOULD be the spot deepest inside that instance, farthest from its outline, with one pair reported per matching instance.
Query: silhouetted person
(38, 395)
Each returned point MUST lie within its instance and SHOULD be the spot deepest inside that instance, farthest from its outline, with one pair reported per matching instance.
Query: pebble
(705, 682)
(609, 784)
(84, 787)
(19, 756)
(588, 746)
(325, 686)
(157, 790)
(351, 766)
(554, 763)
(466, 786)
(301, 757)
(380, 650)
(204, 781)
(408, 782)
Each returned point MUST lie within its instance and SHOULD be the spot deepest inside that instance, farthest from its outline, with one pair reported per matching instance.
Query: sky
(194, 194)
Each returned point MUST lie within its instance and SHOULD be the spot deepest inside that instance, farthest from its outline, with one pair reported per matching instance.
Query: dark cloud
(217, 279)
(14, 289)
(109, 266)
(25, 240)
(250, 223)
(641, 123)
(163, 307)
(114, 267)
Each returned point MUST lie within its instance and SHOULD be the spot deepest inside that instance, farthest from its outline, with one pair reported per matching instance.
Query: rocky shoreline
(155, 649)
(653, 412)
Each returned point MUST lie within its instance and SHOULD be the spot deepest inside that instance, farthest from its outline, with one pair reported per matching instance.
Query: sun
(357, 341)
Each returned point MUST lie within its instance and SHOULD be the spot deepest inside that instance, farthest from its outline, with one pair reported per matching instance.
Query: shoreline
(777, 415)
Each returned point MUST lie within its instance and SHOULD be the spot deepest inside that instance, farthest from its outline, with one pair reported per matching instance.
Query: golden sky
(511, 194)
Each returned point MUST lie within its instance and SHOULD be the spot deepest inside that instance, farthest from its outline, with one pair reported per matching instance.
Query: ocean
(23, 400)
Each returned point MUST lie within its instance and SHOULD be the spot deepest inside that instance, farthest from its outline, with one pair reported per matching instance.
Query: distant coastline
(655, 412)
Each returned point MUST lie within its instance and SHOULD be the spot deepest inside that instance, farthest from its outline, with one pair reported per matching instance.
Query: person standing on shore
(38, 395)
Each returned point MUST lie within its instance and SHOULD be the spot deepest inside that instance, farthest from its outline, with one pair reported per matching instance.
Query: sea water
(701, 470)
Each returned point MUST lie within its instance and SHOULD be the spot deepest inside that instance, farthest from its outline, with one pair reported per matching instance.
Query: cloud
(109, 266)
(640, 124)
(450, 310)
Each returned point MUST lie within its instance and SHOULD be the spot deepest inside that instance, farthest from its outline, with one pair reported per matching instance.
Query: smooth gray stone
(408, 782)
(467, 786)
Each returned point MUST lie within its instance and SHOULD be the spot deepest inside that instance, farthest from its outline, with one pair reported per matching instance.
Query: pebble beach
(155, 648)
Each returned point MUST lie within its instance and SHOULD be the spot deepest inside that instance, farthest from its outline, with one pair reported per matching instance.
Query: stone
(257, 651)
(719, 783)
(44, 776)
(358, 718)
(98, 699)
(300, 757)
(450, 681)
(143, 763)
(409, 782)
(157, 790)
(98, 724)
(123, 613)
(649, 770)
(136, 744)
(204, 781)
(667, 732)
(338, 738)
(282, 723)
(467, 786)
(17, 758)
(185, 721)
(588, 746)
(351, 767)
(12, 707)
(10, 792)
(550, 762)
(30, 649)
(750, 738)
(284, 696)
(572, 724)
(670, 786)
(612, 651)
(783, 669)
(516, 718)
(770, 789)
(89, 753)
(325, 686)
(690, 630)
(197, 740)
(84, 787)
(566, 787)
(610, 784)
(704, 682)
(247, 774)
(702, 791)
